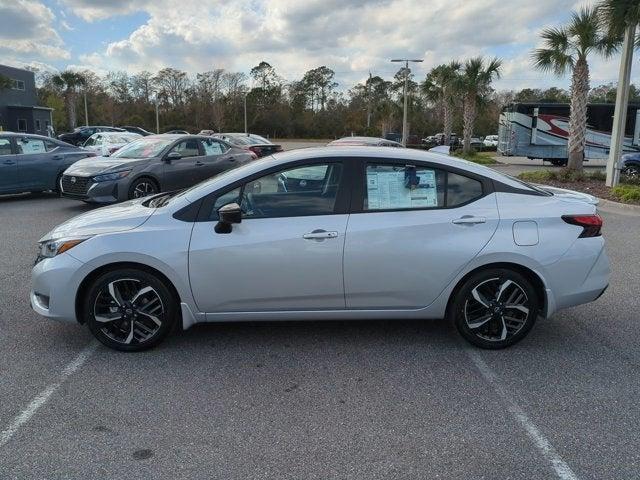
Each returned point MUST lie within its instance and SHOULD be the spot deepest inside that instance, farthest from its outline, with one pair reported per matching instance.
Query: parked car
(328, 233)
(34, 163)
(490, 141)
(107, 143)
(176, 132)
(364, 142)
(138, 130)
(150, 165)
(207, 132)
(250, 141)
(80, 134)
(630, 165)
(476, 143)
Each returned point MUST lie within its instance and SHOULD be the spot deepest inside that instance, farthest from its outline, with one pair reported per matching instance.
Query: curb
(628, 208)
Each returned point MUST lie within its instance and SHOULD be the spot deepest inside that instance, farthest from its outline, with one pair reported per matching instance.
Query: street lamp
(404, 94)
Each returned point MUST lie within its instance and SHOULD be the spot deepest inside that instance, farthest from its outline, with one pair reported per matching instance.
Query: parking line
(563, 471)
(25, 415)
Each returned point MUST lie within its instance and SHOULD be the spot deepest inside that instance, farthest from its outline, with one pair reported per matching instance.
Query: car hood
(569, 194)
(110, 219)
(95, 165)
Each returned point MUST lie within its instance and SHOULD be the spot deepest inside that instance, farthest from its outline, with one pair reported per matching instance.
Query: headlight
(111, 176)
(51, 248)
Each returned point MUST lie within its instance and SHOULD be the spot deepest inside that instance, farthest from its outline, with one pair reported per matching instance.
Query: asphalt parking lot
(360, 400)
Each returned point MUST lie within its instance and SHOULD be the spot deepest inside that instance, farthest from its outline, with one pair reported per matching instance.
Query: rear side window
(402, 187)
(30, 146)
(461, 189)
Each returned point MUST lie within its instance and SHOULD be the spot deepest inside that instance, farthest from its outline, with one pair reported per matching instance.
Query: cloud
(352, 37)
(27, 33)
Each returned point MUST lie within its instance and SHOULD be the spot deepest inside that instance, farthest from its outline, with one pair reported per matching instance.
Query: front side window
(187, 148)
(31, 146)
(401, 187)
(300, 191)
(5, 146)
(212, 147)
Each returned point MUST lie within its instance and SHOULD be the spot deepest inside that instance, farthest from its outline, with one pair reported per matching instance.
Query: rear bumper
(580, 276)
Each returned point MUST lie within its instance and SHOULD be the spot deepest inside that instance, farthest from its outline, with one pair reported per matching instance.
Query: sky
(352, 37)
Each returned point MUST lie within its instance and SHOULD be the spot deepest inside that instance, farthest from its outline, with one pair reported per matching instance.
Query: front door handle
(469, 220)
(319, 235)
(9, 162)
(57, 157)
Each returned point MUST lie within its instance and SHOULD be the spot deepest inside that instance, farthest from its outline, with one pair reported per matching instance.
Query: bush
(627, 193)
(476, 157)
(563, 175)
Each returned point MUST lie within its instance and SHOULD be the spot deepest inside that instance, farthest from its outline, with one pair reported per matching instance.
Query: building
(19, 110)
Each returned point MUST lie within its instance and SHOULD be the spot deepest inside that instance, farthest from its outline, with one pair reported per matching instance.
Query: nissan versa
(150, 165)
(328, 233)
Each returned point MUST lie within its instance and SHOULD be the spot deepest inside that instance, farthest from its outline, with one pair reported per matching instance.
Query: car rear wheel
(129, 309)
(495, 308)
(143, 187)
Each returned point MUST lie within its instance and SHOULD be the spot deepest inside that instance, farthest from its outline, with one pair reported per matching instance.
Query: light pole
(157, 117)
(404, 94)
(245, 113)
(86, 111)
(620, 112)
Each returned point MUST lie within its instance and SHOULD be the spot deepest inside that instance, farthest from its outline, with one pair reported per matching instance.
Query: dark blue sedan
(630, 165)
(33, 163)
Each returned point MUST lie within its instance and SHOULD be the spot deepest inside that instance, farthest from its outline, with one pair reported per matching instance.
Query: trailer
(541, 130)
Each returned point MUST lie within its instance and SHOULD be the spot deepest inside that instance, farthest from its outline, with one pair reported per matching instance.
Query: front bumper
(54, 283)
(99, 192)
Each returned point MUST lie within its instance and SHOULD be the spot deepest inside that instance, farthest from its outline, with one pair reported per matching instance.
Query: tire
(129, 309)
(631, 172)
(558, 162)
(488, 320)
(143, 187)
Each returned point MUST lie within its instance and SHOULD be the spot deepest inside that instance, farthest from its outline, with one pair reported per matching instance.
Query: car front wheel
(129, 309)
(143, 187)
(495, 308)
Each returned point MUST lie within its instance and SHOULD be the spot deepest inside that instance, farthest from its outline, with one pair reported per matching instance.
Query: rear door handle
(9, 162)
(469, 220)
(319, 235)
(199, 164)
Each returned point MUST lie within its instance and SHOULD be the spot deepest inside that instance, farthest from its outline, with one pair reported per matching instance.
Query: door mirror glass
(228, 215)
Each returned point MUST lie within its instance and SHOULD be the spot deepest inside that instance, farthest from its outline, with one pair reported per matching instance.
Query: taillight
(254, 155)
(256, 150)
(279, 148)
(591, 224)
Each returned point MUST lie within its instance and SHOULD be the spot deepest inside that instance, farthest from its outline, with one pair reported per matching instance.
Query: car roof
(366, 152)
(24, 134)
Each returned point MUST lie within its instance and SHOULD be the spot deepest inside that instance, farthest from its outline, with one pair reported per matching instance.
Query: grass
(483, 158)
(562, 175)
(627, 193)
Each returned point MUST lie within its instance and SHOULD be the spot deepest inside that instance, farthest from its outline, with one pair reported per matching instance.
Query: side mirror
(228, 215)
(172, 156)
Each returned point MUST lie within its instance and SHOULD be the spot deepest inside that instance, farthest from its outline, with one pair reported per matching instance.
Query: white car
(106, 143)
(328, 233)
(490, 141)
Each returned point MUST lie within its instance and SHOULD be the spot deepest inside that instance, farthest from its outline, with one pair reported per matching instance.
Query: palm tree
(69, 82)
(474, 84)
(439, 88)
(567, 49)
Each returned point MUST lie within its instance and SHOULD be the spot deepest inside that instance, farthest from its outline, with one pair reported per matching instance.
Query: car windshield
(144, 148)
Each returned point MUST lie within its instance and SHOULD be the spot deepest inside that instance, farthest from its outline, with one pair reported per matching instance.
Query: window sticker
(401, 187)
(32, 146)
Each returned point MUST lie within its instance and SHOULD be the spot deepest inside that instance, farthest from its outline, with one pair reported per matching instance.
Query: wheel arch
(91, 276)
(529, 274)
